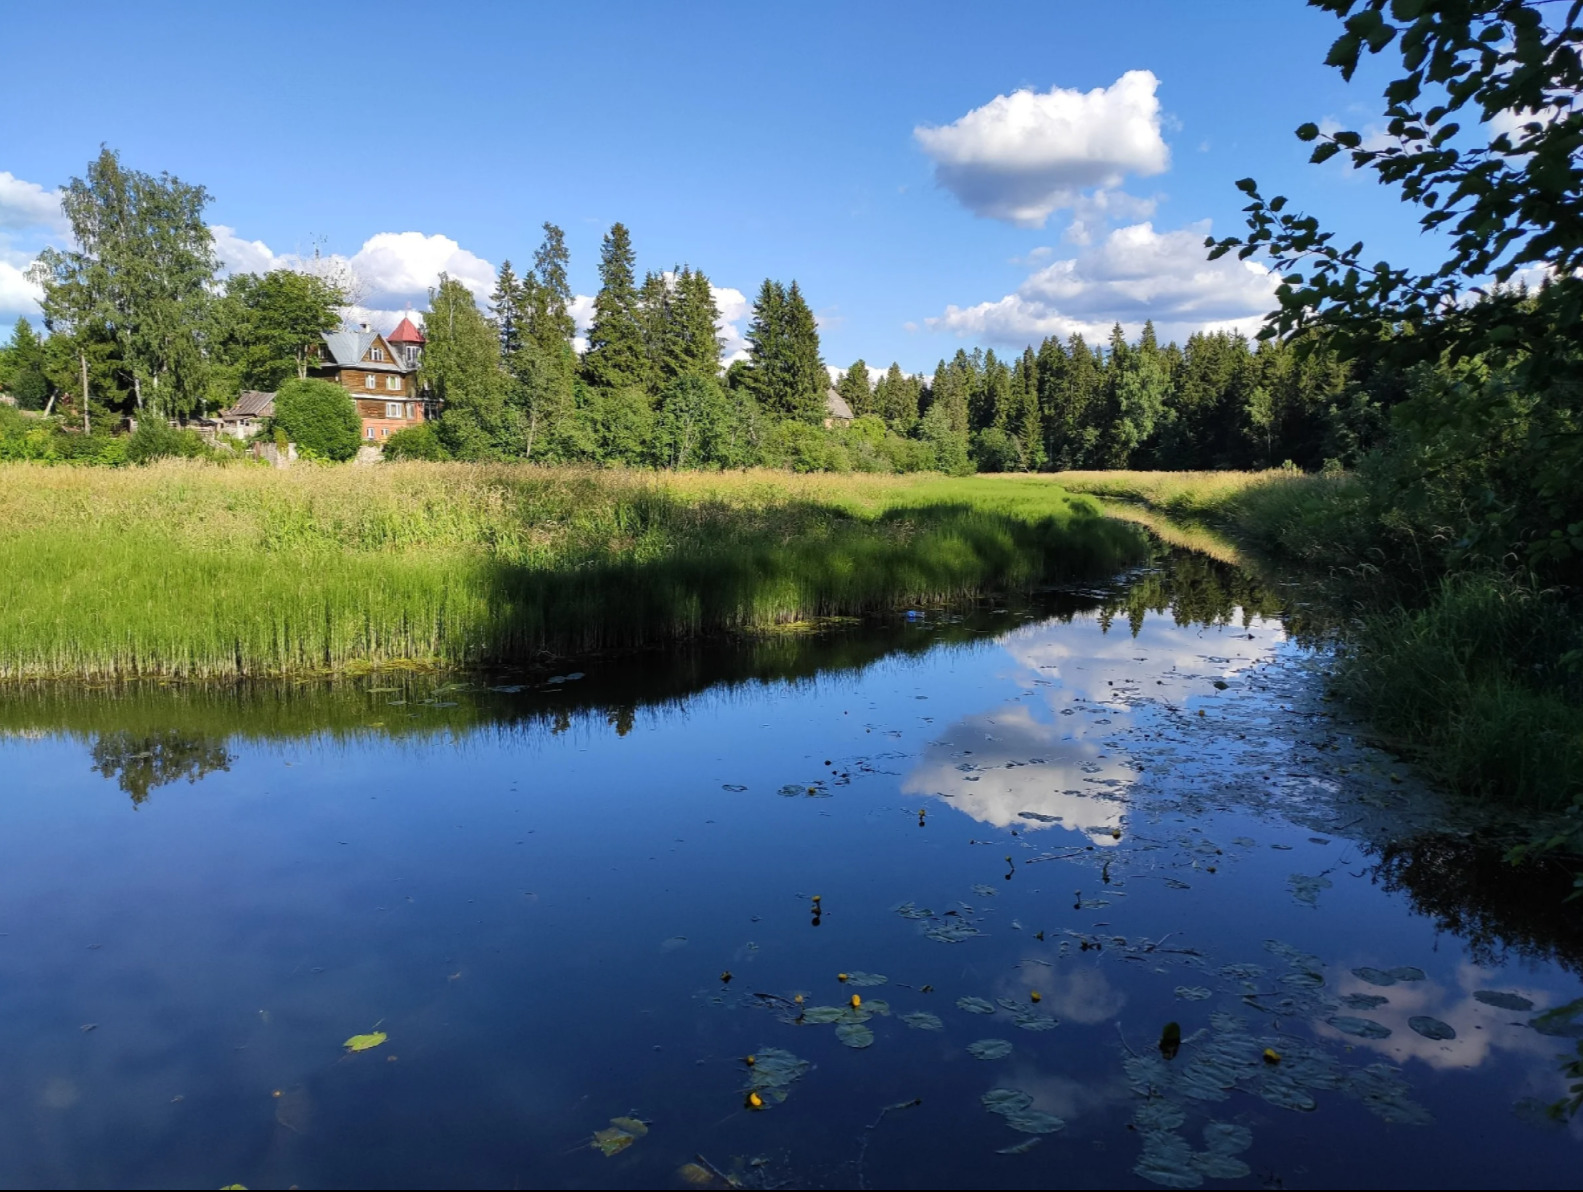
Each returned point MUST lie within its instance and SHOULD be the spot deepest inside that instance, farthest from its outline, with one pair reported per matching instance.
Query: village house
(381, 374)
(379, 371)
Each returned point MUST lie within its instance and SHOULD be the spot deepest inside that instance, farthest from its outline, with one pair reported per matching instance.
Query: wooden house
(381, 374)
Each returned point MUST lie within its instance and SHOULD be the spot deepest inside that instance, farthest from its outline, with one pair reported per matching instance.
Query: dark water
(1133, 803)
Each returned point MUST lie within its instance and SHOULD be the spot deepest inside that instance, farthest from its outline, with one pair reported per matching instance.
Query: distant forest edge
(138, 319)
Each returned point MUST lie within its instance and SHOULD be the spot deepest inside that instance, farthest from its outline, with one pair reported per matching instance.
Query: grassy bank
(1478, 671)
(186, 569)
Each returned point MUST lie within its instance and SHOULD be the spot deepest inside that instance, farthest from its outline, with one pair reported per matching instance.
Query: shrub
(320, 417)
(157, 439)
(996, 451)
(416, 442)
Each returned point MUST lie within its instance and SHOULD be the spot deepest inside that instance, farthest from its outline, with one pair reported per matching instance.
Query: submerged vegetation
(192, 570)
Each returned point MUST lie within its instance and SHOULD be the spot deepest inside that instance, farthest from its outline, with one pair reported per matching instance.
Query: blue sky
(933, 175)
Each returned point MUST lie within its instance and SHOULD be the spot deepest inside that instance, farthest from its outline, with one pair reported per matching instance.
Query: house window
(369, 380)
(376, 354)
(393, 384)
(368, 432)
(392, 409)
(409, 409)
(384, 432)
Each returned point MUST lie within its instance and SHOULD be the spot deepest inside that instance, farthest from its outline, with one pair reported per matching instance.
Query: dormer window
(376, 354)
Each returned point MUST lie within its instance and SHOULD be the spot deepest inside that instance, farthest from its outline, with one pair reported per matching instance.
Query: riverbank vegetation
(187, 569)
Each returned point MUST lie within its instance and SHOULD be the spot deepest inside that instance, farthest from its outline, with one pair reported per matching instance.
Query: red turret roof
(405, 333)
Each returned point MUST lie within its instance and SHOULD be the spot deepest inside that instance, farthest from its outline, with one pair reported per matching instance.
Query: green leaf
(1307, 132)
(365, 1042)
(1248, 186)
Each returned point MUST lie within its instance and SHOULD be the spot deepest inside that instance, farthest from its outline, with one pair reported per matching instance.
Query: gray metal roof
(835, 406)
(251, 403)
(347, 347)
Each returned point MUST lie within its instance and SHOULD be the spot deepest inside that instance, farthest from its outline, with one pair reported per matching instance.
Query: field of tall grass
(188, 569)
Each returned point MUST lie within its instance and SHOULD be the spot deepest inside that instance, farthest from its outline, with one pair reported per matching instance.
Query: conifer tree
(897, 399)
(855, 388)
(508, 301)
(24, 377)
(1051, 365)
(616, 356)
(657, 320)
(461, 367)
(809, 379)
(544, 367)
(696, 340)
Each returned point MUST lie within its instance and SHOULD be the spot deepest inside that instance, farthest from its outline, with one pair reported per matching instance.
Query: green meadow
(186, 569)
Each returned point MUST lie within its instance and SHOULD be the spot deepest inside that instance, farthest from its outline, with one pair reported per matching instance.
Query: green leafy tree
(416, 442)
(543, 370)
(139, 276)
(694, 423)
(266, 325)
(320, 417)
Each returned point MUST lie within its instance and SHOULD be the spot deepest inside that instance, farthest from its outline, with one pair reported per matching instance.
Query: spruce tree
(696, 340)
(461, 367)
(768, 354)
(899, 404)
(508, 301)
(854, 387)
(808, 379)
(1051, 365)
(657, 320)
(24, 377)
(616, 356)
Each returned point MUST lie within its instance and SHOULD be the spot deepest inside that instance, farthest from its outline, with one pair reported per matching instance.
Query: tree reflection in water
(141, 761)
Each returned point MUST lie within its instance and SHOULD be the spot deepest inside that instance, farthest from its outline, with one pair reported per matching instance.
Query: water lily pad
(1501, 1000)
(1305, 889)
(1030, 1021)
(676, 941)
(1033, 1121)
(864, 980)
(1158, 1114)
(990, 1049)
(1193, 993)
(922, 1020)
(365, 1042)
(1364, 1001)
(1006, 1100)
(1363, 1028)
(908, 910)
(975, 1005)
(1221, 1167)
(953, 932)
(1374, 976)
(1407, 972)
(733, 787)
(773, 1073)
(1227, 1138)
(1432, 1028)
(1167, 1160)
(825, 1014)
(854, 1034)
(618, 1136)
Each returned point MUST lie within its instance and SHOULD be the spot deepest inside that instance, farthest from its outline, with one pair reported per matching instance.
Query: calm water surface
(1036, 835)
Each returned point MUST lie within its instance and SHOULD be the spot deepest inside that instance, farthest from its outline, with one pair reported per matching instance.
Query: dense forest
(140, 321)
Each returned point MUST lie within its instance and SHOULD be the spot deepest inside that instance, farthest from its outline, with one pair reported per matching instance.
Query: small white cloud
(26, 205)
(1024, 155)
(1133, 275)
(240, 256)
(395, 267)
(735, 310)
(18, 295)
(582, 312)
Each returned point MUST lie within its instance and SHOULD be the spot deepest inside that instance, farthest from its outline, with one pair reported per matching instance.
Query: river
(1093, 889)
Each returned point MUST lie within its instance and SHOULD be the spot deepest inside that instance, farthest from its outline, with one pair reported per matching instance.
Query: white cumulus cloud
(25, 205)
(1134, 274)
(1022, 156)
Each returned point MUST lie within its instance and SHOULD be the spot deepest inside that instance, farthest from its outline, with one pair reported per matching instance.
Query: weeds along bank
(1474, 664)
(187, 569)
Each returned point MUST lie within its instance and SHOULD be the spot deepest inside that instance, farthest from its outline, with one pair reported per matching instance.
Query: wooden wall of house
(353, 379)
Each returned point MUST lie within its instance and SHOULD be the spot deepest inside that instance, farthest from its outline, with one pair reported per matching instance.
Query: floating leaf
(854, 1034)
(1006, 1100)
(1374, 976)
(618, 1136)
(1306, 889)
(975, 1005)
(773, 1073)
(953, 932)
(1502, 1001)
(1227, 1138)
(1167, 1160)
(989, 1049)
(1363, 1028)
(1364, 1001)
(1406, 972)
(1158, 1114)
(825, 1014)
(364, 1042)
(863, 980)
(1432, 1028)
(1033, 1121)
(693, 1173)
(1193, 993)
(984, 891)
(922, 1020)
(676, 941)
(737, 789)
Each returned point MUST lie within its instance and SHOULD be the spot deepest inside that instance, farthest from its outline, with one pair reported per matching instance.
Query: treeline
(139, 325)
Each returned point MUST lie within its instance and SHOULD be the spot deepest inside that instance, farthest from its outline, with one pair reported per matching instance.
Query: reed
(192, 570)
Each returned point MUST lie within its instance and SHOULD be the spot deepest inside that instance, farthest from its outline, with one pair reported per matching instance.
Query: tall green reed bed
(199, 571)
